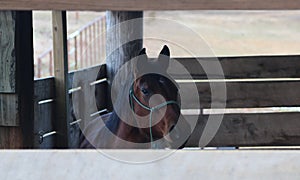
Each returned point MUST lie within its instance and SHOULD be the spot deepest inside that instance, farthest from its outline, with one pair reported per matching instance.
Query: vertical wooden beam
(60, 54)
(25, 75)
(10, 131)
(16, 106)
(9, 115)
(123, 41)
(7, 47)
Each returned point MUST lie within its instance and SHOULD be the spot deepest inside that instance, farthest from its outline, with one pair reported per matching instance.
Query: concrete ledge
(190, 164)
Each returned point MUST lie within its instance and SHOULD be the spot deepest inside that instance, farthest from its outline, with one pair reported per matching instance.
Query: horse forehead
(165, 80)
(151, 66)
(152, 80)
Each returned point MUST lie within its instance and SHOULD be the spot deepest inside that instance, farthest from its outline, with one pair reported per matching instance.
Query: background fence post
(60, 53)
(116, 52)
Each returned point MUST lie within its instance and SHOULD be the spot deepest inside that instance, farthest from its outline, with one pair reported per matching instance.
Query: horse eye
(145, 91)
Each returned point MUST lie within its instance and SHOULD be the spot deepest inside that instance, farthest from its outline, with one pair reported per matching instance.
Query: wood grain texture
(123, 42)
(242, 95)
(236, 130)
(9, 112)
(60, 54)
(252, 130)
(43, 123)
(237, 67)
(82, 103)
(7, 52)
(138, 5)
(44, 89)
(16, 105)
(44, 113)
(89, 99)
(90, 76)
(11, 138)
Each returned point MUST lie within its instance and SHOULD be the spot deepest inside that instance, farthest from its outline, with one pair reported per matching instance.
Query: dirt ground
(233, 32)
(225, 33)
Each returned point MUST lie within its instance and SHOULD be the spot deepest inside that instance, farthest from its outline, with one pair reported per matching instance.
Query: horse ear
(164, 57)
(142, 59)
(142, 51)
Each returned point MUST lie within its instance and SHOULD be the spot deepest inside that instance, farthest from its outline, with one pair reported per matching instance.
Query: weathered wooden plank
(43, 89)
(60, 54)
(44, 105)
(120, 46)
(43, 123)
(280, 129)
(8, 102)
(84, 101)
(92, 73)
(44, 111)
(11, 138)
(93, 78)
(238, 67)
(242, 95)
(16, 107)
(88, 96)
(139, 5)
(7, 52)
(9, 112)
(74, 129)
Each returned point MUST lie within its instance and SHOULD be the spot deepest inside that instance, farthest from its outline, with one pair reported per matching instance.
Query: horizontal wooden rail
(236, 130)
(165, 164)
(242, 95)
(139, 5)
(257, 81)
(237, 67)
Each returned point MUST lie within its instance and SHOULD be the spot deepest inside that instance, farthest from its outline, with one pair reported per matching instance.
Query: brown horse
(153, 118)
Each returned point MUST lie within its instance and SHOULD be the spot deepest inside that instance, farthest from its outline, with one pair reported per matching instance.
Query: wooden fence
(253, 90)
(82, 84)
(274, 81)
(85, 47)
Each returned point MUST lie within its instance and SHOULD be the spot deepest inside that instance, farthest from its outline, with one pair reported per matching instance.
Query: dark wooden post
(16, 79)
(124, 33)
(25, 75)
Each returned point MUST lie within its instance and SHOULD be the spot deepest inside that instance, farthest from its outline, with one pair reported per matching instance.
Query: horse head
(154, 96)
